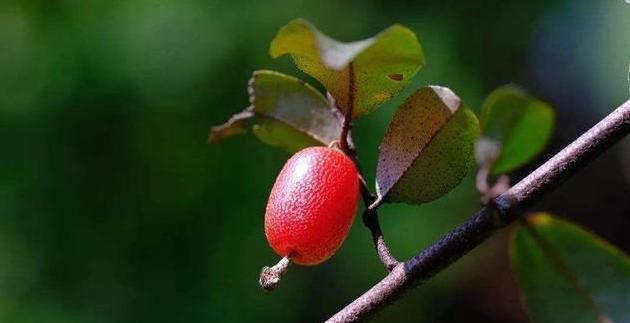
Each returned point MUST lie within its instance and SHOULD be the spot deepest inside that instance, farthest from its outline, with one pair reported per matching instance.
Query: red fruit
(312, 205)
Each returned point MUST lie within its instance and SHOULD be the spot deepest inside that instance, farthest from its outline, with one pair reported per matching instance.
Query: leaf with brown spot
(428, 148)
(288, 113)
(396, 77)
(361, 74)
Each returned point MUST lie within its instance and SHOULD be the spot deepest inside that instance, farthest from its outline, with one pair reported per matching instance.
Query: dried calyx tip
(270, 276)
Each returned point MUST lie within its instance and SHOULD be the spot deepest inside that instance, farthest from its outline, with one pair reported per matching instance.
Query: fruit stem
(270, 276)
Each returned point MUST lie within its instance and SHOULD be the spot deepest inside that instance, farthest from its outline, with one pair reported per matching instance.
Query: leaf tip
(450, 99)
(279, 43)
(234, 126)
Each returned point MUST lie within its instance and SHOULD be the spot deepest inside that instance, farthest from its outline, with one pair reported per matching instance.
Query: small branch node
(489, 191)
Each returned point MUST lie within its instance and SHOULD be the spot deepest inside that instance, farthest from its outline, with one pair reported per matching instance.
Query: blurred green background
(113, 207)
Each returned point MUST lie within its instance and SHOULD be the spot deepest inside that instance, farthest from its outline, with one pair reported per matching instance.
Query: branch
(486, 154)
(490, 192)
(346, 144)
(370, 219)
(506, 209)
(347, 120)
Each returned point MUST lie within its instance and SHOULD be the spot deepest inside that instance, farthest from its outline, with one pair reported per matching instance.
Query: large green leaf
(288, 112)
(515, 128)
(428, 147)
(362, 74)
(567, 274)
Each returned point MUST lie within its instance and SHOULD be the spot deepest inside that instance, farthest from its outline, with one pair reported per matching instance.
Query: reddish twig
(347, 120)
(345, 142)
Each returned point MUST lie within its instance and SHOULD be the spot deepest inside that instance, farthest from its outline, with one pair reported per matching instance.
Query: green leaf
(515, 128)
(362, 74)
(289, 114)
(567, 274)
(281, 135)
(428, 148)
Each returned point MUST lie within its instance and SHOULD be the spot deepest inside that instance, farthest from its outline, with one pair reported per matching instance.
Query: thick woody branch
(506, 208)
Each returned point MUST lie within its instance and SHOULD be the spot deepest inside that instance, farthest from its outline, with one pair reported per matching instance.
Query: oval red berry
(312, 205)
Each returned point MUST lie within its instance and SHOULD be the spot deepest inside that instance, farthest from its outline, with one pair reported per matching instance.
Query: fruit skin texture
(312, 205)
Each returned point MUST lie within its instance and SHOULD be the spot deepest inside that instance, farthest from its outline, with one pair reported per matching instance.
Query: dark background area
(113, 207)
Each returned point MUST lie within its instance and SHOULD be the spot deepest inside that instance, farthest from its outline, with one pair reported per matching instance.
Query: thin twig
(347, 120)
(370, 219)
(490, 192)
(504, 210)
(486, 153)
(346, 144)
